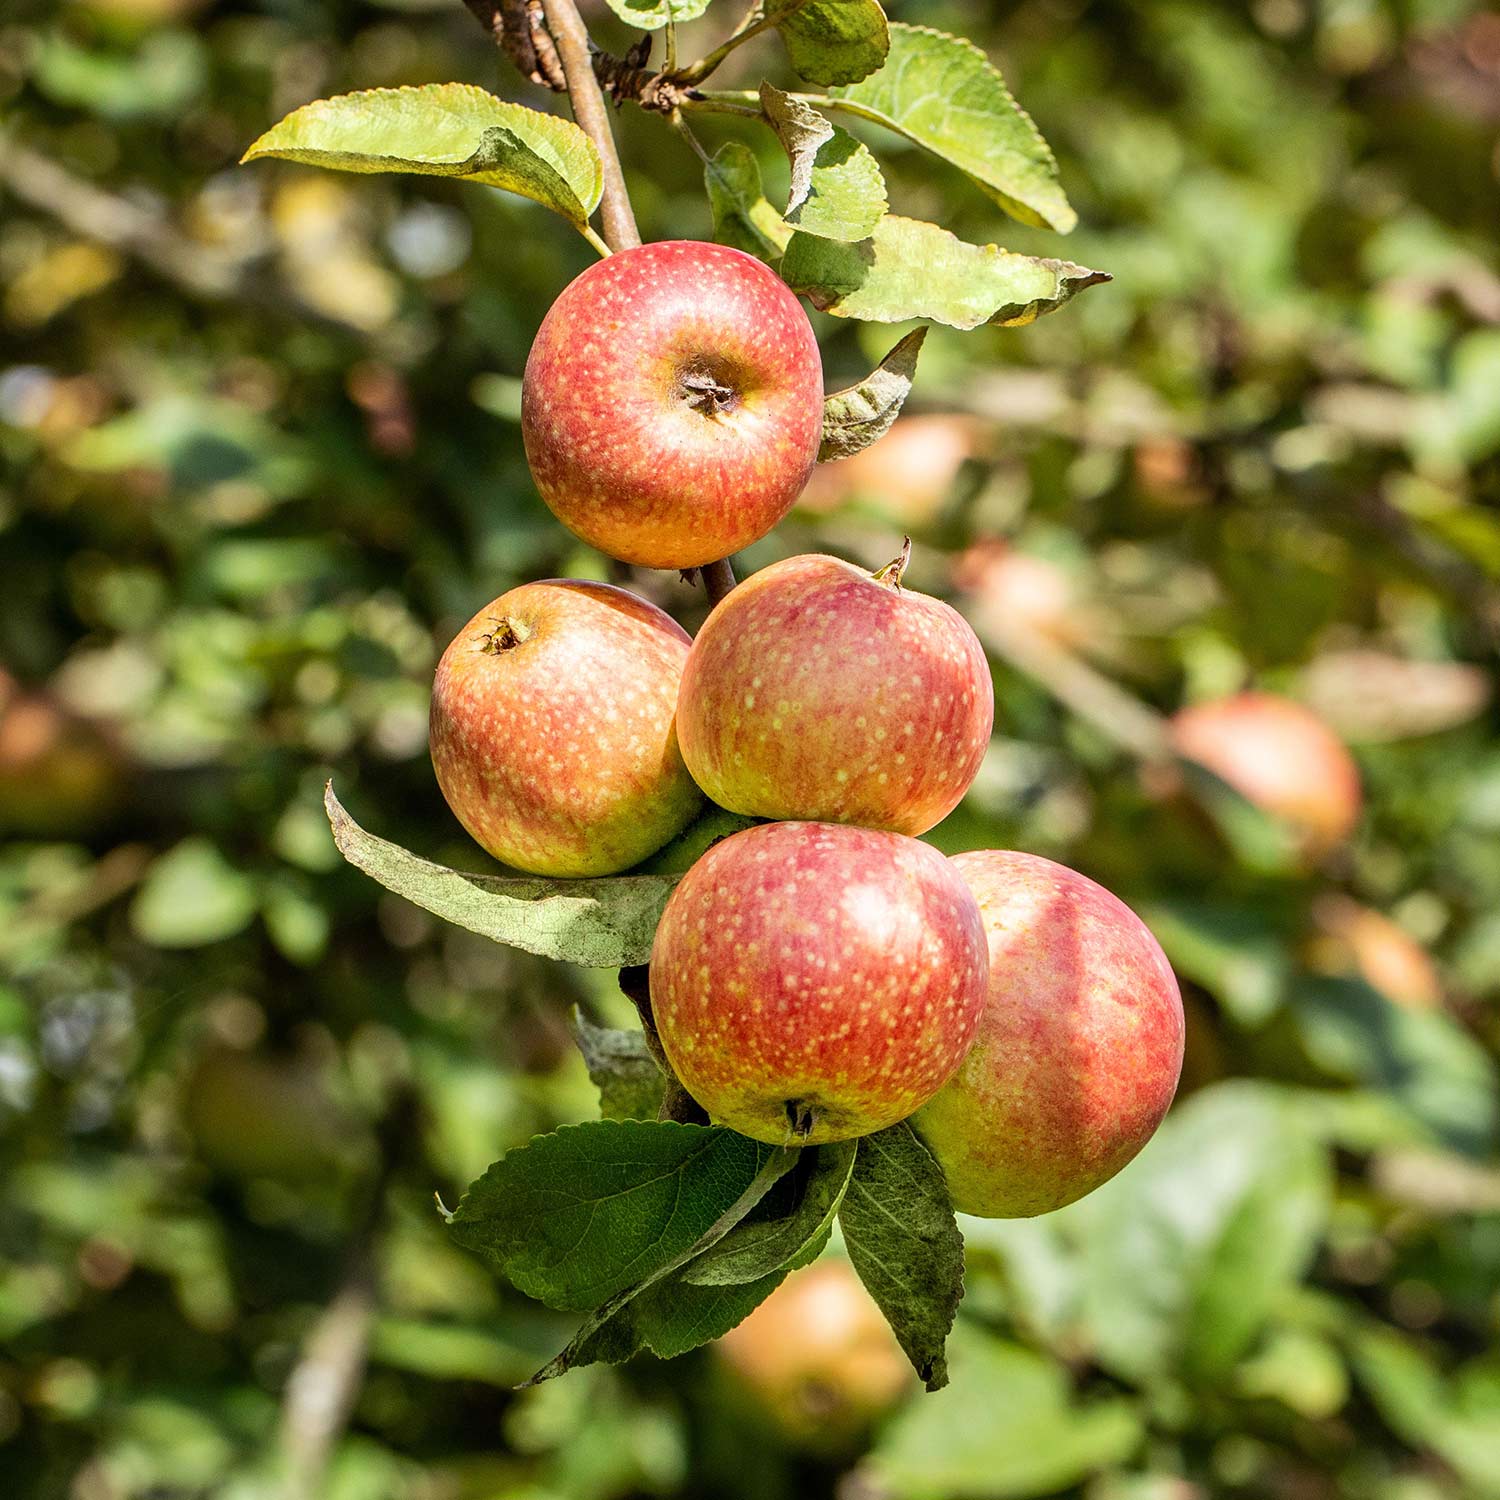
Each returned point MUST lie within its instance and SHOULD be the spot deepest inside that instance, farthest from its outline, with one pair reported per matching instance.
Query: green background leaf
(743, 216)
(620, 1064)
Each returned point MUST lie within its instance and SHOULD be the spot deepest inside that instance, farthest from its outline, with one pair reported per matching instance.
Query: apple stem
(587, 99)
(890, 574)
(718, 579)
(505, 634)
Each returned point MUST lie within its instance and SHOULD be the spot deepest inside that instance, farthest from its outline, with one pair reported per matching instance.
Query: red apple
(1079, 1048)
(1280, 756)
(552, 728)
(818, 1358)
(813, 982)
(817, 690)
(673, 403)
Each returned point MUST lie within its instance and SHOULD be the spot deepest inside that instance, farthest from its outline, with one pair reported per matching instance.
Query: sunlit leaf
(943, 93)
(445, 130)
(910, 269)
(648, 15)
(837, 189)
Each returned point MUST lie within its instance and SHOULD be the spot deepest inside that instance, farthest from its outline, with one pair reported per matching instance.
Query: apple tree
(836, 1021)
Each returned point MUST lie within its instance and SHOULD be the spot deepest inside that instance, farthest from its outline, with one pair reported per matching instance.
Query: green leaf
(837, 189)
(910, 269)
(1426, 1062)
(743, 216)
(965, 1442)
(1259, 840)
(576, 1217)
(445, 130)
(192, 896)
(855, 417)
(1457, 1418)
(620, 1063)
(832, 41)
(905, 1244)
(776, 1236)
(1238, 953)
(1186, 1252)
(649, 15)
(674, 1315)
(603, 924)
(597, 1339)
(943, 93)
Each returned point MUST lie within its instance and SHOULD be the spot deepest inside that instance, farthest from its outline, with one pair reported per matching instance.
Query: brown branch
(571, 38)
(1117, 714)
(518, 30)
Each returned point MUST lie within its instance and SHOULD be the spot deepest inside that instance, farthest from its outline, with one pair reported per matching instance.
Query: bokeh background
(261, 458)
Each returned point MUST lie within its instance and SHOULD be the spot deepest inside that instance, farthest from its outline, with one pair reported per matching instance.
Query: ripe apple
(817, 690)
(673, 403)
(1078, 1051)
(817, 1358)
(552, 728)
(812, 982)
(1280, 756)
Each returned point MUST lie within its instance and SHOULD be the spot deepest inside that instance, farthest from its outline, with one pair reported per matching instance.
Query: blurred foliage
(259, 457)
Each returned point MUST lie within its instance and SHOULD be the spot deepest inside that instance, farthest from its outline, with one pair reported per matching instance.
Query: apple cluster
(821, 974)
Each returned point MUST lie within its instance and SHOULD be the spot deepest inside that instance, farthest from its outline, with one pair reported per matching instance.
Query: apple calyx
(503, 635)
(890, 574)
(705, 386)
(802, 1118)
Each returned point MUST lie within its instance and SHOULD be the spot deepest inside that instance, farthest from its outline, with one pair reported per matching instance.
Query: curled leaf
(855, 417)
(837, 189)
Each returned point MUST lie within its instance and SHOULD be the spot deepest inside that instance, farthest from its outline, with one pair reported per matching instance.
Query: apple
(812, 982)
(552, 728)
(672, 404)
(819, 691)
(1358, 939)
(817, 1358)
(1279, 755)
(906, 476)
(1078, 1051)
(60, 774)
